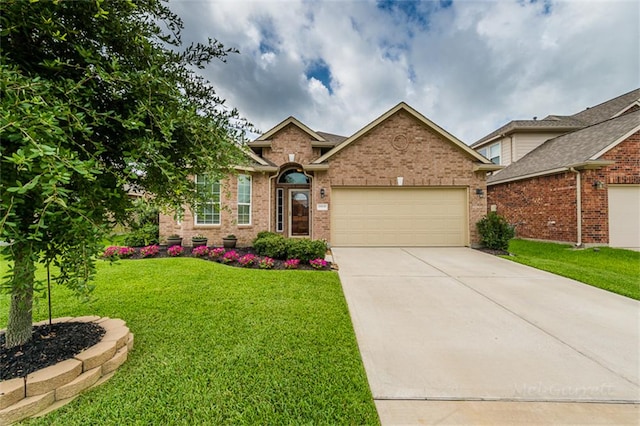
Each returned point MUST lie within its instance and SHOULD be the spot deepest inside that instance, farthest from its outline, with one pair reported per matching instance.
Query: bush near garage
(495, 232)
(278, 247)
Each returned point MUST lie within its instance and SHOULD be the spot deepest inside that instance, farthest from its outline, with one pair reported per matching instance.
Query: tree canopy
(97, 98)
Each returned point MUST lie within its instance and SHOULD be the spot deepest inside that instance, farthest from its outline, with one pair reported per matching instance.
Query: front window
(244, 200)
(208, 211)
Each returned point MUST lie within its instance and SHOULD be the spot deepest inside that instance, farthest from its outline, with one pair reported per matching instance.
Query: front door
(299, 212)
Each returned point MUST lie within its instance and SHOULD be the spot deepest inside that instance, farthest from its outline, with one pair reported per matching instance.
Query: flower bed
(238, 257)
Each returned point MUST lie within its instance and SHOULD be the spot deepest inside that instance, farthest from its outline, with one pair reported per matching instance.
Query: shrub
(318, 263)
(111, 252)
(125, 252)
(305, 249)
(292, 263)
(175, 251)
(217, 253)
(143, 224)
(495, 232)
(264, 234)
(230, 256)
(200, 251)
(150, 251)
(266, 263)
(272, 245)
(247, 260)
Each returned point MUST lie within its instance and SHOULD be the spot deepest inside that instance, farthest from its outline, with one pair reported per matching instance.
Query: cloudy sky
(469, 66)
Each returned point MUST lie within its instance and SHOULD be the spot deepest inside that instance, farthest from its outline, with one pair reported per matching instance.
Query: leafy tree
(97, 97)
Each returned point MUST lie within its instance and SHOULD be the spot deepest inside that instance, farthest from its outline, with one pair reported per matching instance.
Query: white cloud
(470, 67)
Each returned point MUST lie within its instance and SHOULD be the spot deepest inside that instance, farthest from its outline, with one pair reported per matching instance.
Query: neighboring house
(399, 181)
(582, 187)
(517, 138)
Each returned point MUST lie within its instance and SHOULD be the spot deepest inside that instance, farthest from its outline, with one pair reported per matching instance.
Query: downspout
(578, 205)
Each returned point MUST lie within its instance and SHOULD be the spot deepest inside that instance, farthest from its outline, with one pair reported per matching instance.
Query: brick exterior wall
(399, 146)
(545, 207)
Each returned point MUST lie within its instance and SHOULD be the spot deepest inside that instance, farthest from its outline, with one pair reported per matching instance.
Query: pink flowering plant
(217, 253)
(111, 252)
(292, 263)
(150, 251)
(230, 256)
(266, 263)
(175, 251)
(247, 260)
(318, 263)
(200, 251)
(125, 252)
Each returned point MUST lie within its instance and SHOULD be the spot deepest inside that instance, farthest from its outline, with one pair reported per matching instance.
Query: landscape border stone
(55, 386)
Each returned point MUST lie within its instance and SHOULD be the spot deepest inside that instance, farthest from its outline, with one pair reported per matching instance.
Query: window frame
(211, 202)
(244, 204)
(485, 151)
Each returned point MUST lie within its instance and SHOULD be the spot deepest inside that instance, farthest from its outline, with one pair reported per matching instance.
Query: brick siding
(545, 207)
(427, 160)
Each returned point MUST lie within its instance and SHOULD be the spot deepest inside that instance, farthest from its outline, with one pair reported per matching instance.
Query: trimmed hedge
(278, 247)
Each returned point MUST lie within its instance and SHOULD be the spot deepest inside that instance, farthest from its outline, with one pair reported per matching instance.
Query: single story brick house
(582, 187)
(399, 181)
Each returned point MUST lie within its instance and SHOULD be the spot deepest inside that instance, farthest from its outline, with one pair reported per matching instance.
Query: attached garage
(624, 211)
(399, 216)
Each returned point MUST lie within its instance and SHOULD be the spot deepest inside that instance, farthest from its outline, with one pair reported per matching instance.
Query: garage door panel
(624, 211)
(399, 217)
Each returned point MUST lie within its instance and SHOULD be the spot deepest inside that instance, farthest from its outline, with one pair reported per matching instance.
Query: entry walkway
(440, 329)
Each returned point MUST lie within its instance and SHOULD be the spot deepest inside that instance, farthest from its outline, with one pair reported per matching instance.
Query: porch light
(322, 193)
(480, 192)
(598, 184)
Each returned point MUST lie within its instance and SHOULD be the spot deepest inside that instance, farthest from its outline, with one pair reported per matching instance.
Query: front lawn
(220, 345)
(615, 270)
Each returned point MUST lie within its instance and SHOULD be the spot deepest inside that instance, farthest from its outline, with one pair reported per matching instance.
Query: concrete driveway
(456, 324)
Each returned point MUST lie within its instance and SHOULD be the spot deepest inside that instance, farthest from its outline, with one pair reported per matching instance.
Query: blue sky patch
(319, 70)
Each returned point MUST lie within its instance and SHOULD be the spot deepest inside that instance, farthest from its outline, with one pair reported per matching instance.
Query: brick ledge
(52, 387)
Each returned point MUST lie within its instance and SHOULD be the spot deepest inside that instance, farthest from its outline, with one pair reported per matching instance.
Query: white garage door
(624, 216)
(399, 217)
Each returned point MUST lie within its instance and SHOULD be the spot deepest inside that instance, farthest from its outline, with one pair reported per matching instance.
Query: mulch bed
(277, 265)
(49, 345)
(493, 251)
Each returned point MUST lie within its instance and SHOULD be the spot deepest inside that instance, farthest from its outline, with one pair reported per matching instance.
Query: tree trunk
(20, 323)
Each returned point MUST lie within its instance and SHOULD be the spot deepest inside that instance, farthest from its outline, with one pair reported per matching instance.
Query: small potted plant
(198, 240)
(229, 241)
(174, 240)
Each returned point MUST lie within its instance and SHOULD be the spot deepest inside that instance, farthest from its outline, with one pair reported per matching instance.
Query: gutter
(578, 205)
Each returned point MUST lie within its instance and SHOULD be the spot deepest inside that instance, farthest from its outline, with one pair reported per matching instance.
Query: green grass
(615, 270)
(220, 345)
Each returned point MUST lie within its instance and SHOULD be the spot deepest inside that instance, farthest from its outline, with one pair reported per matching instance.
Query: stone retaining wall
(51, 387)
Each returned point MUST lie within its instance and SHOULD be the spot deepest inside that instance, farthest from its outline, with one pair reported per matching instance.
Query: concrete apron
(440, 329)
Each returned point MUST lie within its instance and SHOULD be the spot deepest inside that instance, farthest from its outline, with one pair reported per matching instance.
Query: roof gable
(421, 118)
(582, 147)
(291, 120)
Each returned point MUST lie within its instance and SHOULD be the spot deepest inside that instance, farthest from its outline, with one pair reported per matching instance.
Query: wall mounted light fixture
(480, 192)
(598, 184)
(322, 193)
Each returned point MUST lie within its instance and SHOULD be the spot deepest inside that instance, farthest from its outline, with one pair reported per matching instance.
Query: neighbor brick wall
(541, 208)
(534, 204)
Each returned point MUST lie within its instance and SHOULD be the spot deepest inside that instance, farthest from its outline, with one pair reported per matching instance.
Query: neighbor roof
(577, 149)
(589, 116)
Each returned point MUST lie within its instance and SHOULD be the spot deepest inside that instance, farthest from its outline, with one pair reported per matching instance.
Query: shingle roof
(330, 137)
(589, 116)
(570, 149)
(608, 109)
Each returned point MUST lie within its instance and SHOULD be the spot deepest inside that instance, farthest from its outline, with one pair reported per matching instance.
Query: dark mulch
(49, 345)
(493, 251)
(278, 264)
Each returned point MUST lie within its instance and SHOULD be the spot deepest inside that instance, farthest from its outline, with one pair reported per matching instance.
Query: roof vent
(535, 118)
